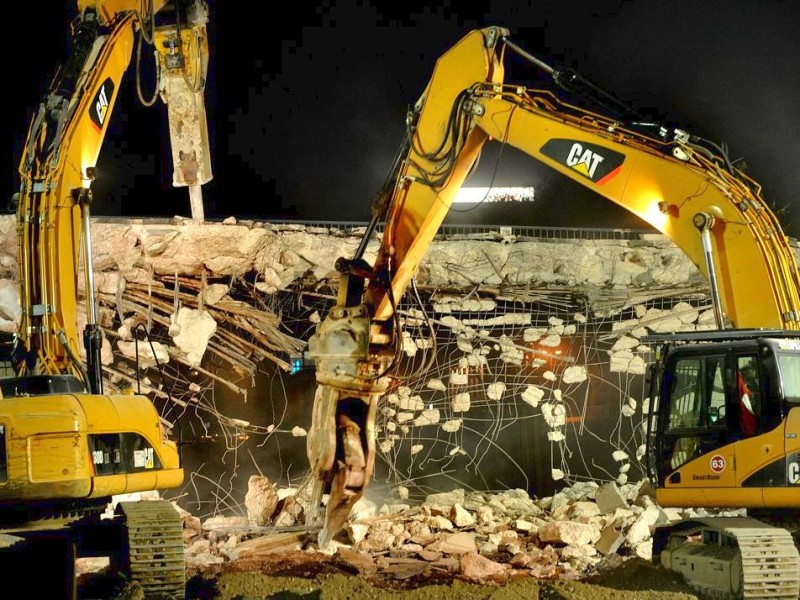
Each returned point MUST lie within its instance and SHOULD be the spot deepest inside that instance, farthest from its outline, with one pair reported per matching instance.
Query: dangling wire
(74, 359)
(432, 356)
(147, 36)
(450, 147)
(503, 144)
(138, 327)
(150, 15)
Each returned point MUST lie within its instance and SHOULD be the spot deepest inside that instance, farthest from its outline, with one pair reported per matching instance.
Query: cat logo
(793, 473)
(583, 161)
(98, 110)
(594, 162)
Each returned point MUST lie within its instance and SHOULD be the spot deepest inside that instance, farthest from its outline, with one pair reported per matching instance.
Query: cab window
(695, 410)
(697, 394)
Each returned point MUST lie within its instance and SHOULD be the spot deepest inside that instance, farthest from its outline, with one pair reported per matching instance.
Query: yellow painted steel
(48, 454)
(756, 268)
(754, 262)
(49, 219)
(666, 182)
(701, 484)
(417, 209)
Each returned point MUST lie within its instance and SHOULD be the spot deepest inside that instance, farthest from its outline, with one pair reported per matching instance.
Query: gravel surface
(298, 575)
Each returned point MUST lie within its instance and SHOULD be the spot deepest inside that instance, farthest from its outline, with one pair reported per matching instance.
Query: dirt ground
(313, 575)
(301, 575)
(304, 575)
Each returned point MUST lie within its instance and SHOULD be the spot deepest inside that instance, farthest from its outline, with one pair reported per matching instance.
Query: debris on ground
(586, 536)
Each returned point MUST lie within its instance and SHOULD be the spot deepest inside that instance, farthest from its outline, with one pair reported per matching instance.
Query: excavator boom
(665, 182)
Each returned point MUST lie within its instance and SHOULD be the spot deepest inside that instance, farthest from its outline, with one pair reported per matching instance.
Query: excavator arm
(60, 156)
(685, 188)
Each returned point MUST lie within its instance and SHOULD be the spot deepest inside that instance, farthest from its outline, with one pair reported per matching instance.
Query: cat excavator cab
(66, 447)
(684, 186)
(722, 432)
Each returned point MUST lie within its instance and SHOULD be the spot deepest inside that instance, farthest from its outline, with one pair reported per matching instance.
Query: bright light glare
(496, 194)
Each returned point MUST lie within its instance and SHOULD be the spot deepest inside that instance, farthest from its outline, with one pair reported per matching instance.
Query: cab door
(694, 449)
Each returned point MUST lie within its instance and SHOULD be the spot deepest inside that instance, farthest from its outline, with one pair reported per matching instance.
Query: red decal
(610, 176)
(717, 463)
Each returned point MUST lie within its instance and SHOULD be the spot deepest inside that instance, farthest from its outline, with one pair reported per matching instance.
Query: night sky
(307, 110)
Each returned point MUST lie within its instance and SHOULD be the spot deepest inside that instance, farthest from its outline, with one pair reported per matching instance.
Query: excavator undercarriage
(731, 557)
(143, 540)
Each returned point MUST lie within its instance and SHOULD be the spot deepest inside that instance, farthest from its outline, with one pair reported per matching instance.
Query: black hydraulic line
(86, 32)
(572, 81)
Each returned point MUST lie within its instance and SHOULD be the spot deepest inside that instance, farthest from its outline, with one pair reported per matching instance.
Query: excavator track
(154, 554)
(731, 557)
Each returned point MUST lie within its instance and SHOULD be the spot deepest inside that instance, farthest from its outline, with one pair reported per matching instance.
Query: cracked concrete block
(455, 544)
(625, 343)
(532, 395)
(428, 417)
(642, 527)
(146, 356)
(357, 532)
(609, 498)
(191, 330)
(452, 425)
(611, 538)
(461, 517)
(620, 360)
(410, 402)
(496, 390)
(438, 522)
(378, 541)
(574, 374)
(436, 384)
(584, 510)
(477, 568)
(445, 500)
(644, 550)
(569, 533)
(261, 500)
(525, 526)
(503, 538)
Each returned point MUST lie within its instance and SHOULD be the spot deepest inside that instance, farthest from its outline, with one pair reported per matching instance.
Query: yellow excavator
(700, 454)
(66, 447)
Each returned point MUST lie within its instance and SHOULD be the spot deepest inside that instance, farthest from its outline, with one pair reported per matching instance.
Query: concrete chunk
(611, 539)
(569, 533)
(480, 569)
(456, 544)
(609, 498)
(261, 500)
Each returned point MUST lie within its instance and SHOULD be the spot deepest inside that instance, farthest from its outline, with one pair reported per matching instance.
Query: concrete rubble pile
(476, 536)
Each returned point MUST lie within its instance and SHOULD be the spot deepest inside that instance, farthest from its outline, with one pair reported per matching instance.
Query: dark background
(306, 107)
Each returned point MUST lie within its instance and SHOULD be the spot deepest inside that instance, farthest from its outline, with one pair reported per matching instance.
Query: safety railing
(446, 231)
